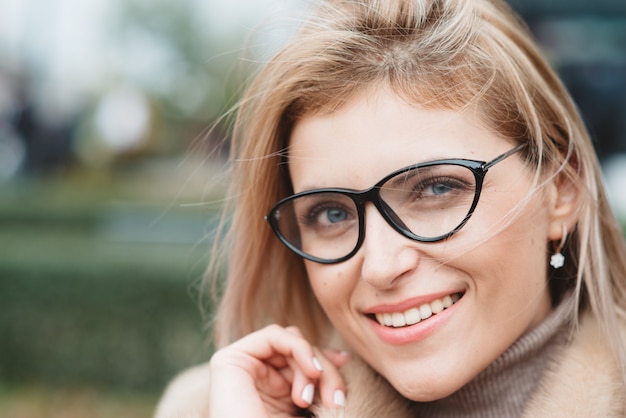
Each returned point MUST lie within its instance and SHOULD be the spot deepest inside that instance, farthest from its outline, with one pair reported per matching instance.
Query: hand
(273, 372)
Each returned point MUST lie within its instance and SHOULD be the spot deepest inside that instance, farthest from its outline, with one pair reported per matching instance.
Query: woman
(439, 242)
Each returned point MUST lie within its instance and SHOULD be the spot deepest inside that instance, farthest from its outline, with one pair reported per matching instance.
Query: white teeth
(415, 315)
(436, 306)
(425, 311)
(398, 319)
(412, 316)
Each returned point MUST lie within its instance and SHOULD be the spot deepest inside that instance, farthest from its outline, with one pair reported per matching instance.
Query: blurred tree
(168, 51)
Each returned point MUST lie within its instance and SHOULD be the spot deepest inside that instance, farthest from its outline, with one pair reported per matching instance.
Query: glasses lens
(430, 201)
(323, 225)
(427, 203)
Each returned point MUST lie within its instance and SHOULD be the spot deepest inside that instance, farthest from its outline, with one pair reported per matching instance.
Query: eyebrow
(429, 160)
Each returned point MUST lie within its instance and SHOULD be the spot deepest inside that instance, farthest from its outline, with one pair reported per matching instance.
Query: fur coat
(584, 383)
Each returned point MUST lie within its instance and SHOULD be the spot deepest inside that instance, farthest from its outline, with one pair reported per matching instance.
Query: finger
(296, 331)
(331, 386)
(277, 361)
(338, 358)
(302, 387)
(266, 343)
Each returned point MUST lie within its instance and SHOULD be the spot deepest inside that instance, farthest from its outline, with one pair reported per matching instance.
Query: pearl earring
(558, 260)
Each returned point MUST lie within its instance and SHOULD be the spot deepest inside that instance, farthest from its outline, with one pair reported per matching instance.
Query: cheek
(509, 271)
(331, 284)
(509, 258)
(520, 251)
(508, 229)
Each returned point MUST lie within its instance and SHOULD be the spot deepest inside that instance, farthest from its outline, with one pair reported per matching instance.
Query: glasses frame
(372, 194)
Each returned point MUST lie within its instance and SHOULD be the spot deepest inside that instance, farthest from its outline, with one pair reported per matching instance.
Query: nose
(386, 254)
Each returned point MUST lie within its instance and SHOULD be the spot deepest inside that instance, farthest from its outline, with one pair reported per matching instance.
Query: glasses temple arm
(486, 166)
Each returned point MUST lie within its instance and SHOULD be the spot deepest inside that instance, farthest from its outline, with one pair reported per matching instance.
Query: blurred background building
(110, 178)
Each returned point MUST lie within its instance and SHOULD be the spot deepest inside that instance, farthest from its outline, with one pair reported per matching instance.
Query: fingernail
(317, 364)
(307, 393)
(339, 398)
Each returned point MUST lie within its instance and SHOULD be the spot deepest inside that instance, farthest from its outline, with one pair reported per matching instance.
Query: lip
(412, 333)
(410, 303)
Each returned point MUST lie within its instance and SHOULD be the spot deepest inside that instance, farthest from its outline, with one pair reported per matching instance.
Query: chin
(422, 392)
(415, 385)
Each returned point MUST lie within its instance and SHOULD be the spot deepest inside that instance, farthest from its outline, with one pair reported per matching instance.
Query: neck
(506, 386)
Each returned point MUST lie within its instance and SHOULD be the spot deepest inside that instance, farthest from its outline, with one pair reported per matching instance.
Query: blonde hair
(437, 53)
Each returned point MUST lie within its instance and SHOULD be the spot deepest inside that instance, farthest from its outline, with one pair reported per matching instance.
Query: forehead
(372, 136)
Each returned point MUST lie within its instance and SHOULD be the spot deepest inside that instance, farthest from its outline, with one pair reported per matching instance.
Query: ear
(563, 203)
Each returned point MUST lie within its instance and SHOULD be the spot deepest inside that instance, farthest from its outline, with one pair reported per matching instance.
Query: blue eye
(328, 213)
(335, 215)
(440, 188)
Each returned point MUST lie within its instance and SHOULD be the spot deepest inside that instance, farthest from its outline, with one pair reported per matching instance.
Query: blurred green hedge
(99, 294)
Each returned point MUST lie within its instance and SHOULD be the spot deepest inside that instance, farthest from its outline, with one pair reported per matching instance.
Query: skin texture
(498, 260)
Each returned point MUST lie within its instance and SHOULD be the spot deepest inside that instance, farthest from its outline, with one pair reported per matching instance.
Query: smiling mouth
(417, 314)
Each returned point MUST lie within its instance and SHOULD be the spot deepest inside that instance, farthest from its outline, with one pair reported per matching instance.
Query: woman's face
(497, 271)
